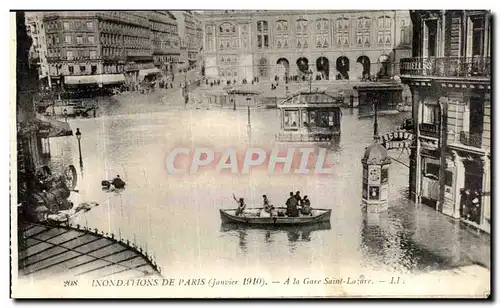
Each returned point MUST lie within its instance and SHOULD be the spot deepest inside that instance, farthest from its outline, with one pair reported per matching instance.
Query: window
(291, 119)
(301, 25)
(262, 26)
(67, 39)
(282, 26)
(384, 30)
(262, 34)
(405, 33)
(66, 25)
(227, 28)
(57, 39)
(79, 40)
(478, 36)
(322, 25)
(91, 40)
(430, 114)
(90, 25)
(83, 68)
(71, 69)
(69, 55)
(342, 31)
(93, 54)
(363, 31)
(430, 38)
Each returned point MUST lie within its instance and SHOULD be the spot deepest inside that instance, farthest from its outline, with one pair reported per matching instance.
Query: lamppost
(375, 122)
(65, 113)
(79, 137)
(310, 73)
(248, 111)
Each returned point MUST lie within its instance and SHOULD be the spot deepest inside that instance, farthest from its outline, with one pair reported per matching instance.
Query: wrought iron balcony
(473, 140)
(430, 130)
(465, 67)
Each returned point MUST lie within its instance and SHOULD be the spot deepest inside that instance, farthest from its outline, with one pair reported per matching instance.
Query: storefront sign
(397, 140)
(415, 66)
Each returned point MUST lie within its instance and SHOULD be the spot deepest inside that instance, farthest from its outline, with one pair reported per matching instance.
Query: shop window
(431, 171)
(291, 119)
(430, 114)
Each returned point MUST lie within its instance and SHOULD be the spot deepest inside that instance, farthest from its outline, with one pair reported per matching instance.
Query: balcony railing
(447, 67)
(473, 140)
(430, 130)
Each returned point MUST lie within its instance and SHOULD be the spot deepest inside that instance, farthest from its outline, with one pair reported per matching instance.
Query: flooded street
(176, 217)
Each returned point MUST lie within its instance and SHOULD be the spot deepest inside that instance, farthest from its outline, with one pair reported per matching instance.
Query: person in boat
(306, 207)
(267, 210)
(298, 198)
(291, 206)
(241, 205)
(118, 182)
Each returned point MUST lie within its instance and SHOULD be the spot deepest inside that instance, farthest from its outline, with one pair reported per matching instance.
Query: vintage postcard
(251, 154)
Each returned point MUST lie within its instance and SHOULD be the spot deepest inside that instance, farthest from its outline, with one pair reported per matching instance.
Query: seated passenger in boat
(241, 206)
(306, 207)
(291, 206)
(267, 210)
(118, 182)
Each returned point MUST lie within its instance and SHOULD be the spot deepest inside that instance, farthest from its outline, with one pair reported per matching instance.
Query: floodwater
(176, 218)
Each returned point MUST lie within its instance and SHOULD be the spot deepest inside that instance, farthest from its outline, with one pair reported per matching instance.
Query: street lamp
(375, 122)
(248, 110)
(310, 80)
(79, 137)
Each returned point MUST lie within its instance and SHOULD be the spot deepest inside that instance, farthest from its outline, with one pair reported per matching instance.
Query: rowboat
(251, 217)
(232, 226)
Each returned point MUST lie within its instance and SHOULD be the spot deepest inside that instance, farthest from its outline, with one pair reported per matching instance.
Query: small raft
(252, 217)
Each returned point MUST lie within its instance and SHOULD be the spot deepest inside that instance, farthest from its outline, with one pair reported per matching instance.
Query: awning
(149, 71)
(95, 79)
(53, 128)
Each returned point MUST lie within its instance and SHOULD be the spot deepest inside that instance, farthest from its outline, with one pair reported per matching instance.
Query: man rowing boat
(241, 205)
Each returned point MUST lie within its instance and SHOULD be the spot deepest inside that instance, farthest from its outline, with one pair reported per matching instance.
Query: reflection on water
(266, 234)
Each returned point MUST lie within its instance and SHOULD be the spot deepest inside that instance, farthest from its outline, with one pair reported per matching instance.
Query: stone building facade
(450, 80)
(329, 44)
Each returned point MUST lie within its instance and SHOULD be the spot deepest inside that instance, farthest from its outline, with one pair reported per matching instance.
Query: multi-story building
(329, 44)
(38, 51)
(165, 39)
(97, 48)
(449, 77)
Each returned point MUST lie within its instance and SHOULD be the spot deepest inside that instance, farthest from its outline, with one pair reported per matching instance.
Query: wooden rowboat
(251, 217)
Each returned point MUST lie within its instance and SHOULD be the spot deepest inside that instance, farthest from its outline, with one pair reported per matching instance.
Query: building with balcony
(94, 48)
(38, 51)
(449, 77)
(166, 43)
(276, 45)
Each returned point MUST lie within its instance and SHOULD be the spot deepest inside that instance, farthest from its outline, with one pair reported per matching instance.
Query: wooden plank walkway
(46, 251)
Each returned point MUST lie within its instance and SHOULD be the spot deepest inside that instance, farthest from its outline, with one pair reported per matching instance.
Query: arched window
(322, 25)
(282, 25)
(227, 28)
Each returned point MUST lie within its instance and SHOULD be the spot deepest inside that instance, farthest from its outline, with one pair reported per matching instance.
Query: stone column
(486, 193)
(459, 181)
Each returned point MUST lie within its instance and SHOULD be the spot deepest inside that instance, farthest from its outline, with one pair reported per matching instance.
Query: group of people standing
(470, 205)
(295, 204)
